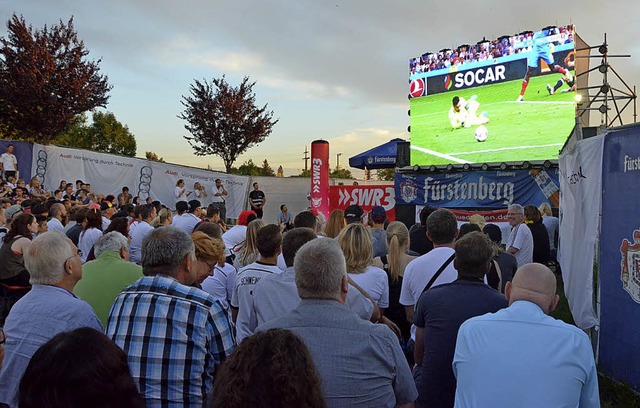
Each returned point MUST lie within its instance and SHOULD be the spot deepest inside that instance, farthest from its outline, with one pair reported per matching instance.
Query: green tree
(386, 174)
(154, 157)
(105, 134)
(224, 120)
(46, 80)
(305, 173)
(248, 168)
(341, 174)
(267, 170)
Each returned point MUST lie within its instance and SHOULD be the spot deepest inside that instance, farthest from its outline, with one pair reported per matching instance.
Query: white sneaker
(550, 89)
(520, 98)
(568, 77)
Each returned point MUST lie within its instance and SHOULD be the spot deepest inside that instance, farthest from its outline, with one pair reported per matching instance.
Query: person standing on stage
(257, 200)
(219, 198)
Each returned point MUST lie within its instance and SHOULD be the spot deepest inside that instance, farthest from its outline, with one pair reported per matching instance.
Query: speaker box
(403, 154)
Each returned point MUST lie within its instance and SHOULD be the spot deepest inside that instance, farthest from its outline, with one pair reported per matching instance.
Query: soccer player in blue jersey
(541, 51)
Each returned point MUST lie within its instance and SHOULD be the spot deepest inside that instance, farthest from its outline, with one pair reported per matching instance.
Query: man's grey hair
(56, 209)
(164, 249)
(319, 267)
(111, 241)
(516, 208)
(46, 256)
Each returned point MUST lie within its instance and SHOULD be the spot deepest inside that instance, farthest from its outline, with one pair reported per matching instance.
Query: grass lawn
(534, 129)
(612, 394)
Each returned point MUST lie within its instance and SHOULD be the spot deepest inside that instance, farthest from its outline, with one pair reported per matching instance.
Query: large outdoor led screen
(498, 117)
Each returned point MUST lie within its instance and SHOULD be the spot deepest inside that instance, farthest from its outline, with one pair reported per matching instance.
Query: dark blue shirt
(440, 311)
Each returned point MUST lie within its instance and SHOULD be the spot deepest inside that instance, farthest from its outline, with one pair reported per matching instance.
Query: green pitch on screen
(534, 129)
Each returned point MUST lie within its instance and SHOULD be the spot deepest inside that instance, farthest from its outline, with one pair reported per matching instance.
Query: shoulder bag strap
(495, 263)
(438, 272)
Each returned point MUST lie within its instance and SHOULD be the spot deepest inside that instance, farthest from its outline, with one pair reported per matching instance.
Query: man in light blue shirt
(520, 357)
(48, 309)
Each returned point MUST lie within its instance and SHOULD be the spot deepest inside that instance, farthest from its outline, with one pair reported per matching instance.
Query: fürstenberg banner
(580, 193)
(108, 173)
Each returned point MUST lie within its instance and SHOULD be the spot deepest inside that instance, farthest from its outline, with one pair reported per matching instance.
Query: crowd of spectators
(484, 50)
(130, 304)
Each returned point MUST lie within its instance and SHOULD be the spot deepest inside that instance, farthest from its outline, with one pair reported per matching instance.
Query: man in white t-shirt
(147, 214)
(219, 197)
(188, 220)
(520, 243)
(269, 243)
(9, 163)
(442, 229)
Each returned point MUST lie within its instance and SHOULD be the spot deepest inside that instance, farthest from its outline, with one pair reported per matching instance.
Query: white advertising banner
(108, 173)
(580, 203)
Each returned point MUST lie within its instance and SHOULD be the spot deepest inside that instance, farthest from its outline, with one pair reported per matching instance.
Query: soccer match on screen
(508, 99)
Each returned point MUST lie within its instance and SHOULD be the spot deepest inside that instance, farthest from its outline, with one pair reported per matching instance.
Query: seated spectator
(284, 218)
(440, 312)
(419, 241)
(335, 224)
(209, 253)
(520, 356)
(80, 217)
(164, 218)
(147, 214)
(91, 231)
(221, 284)
(276, 295)
(270, 369)
(188, 220)
(187, 327)
(58, 215)
(355, 242)
(248, 252)
(504, 265)
(106, 276)
(378, 234)
(541, 245)
(269, 245)
(467, 228)
(360, 363)
(13, 271)
(48, 309)
(77, 369)
(394, 264)
(235, 236)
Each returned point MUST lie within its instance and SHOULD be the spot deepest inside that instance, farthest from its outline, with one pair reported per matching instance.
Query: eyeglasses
(79, 253)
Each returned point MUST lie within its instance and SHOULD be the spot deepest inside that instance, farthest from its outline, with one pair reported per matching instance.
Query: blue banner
(23, 152)
(479, 189)
(620, 258)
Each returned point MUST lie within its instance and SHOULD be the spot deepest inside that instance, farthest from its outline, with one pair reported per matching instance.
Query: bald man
(520, 356)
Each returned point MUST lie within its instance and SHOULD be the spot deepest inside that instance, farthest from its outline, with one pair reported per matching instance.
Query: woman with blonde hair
(394, 264)
(209, 253)
(335, 223)
(355, 242)
(164, 218)
(249, 253)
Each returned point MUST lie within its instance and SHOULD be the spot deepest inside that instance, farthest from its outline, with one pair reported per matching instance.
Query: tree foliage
(105, 134)
(341, 174)
(305, 173)
(249, 168)
(154, 157)
(46, 80)
(386, 174)
(267, 170)
(224, 120)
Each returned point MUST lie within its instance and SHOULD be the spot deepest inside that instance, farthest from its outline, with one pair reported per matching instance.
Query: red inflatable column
(320, 177)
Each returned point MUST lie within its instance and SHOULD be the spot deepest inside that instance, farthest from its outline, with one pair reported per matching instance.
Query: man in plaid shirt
(174, 335)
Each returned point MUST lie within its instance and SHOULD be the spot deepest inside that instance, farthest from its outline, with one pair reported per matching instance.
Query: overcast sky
(329, 70)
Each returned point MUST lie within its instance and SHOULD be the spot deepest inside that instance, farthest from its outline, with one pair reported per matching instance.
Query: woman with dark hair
(15, 243)
(121, 225)
(91, 232)
(80, 368)
(269, 369)
(541, 248)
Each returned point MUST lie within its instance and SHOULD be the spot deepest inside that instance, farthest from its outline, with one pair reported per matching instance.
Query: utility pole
(306, 159)
(338, 161)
